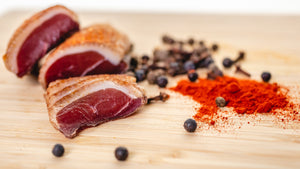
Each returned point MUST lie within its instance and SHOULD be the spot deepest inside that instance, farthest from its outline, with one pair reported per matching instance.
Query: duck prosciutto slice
(38, 35)
(98, 49)
(80, 102)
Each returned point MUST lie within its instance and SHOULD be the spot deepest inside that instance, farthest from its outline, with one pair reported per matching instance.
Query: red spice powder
(244, 96)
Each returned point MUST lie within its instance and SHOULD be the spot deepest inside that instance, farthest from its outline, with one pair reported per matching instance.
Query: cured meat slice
(98, 49)
(81, 102)
(38, 35)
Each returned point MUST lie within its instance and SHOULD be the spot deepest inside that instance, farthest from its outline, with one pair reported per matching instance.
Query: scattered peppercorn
(221, 102)
(145, 59)
(153, 75)
(214, 47)
(121, 153)
(189, 65)
(145, 67)
(140, 75)
(133, 63)
(201, 43)
(191, 41)
(190, 125)
(168, 40)
(206, 62)
(192, 75)
(227, 62)
(58, 150)
(162, 81)
(266, 76)
(174, 68)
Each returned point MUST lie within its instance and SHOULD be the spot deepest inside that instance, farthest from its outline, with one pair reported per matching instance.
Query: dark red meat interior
(81, 64)
(93, 109)
(45, 37)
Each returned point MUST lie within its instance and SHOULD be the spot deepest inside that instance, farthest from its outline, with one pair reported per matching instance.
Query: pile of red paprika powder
(243, 95)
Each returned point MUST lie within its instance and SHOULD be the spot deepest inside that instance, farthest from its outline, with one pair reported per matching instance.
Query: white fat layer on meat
(72, 87)
(105, 52)
(93, 88)
(19, 40)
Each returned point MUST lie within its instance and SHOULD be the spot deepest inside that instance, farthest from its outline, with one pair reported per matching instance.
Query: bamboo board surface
(155, 136)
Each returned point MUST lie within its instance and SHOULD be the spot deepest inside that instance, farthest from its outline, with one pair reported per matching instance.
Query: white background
(286, 7)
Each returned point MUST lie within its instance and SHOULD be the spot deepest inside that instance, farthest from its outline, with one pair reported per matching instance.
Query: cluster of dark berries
(174, 58)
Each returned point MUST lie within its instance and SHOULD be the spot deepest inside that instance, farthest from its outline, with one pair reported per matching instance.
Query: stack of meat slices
(87, 99)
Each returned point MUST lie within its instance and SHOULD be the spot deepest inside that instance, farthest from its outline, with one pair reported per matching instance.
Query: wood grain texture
(155, 136)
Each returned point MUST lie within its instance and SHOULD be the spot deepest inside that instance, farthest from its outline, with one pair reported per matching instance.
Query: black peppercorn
(58, 150)
(140, 75)
(172, 72)
(193, 76)
(174, 65)
(145, 59)
(145, 67)
(189, 65)
(206, 62)
(190, 125)
(266, 76)
(133, 63)
(121, 153)
(214, 47)
(227, 62)
(201, 43)
(191, 41)
(221, 102)
(153, 75)
(162, 81)
(168, 40)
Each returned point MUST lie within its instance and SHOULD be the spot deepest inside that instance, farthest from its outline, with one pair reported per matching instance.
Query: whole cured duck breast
(38, 35)
(98, 49)
(80, 102)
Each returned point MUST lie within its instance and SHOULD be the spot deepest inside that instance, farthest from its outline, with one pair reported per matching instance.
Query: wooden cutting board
(155, 136)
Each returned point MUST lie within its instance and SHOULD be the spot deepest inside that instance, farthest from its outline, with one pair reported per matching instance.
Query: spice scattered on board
(243, 95)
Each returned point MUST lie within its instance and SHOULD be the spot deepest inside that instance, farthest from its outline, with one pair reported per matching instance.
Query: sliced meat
(80, 102)
(98, 49)
(36, 36)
